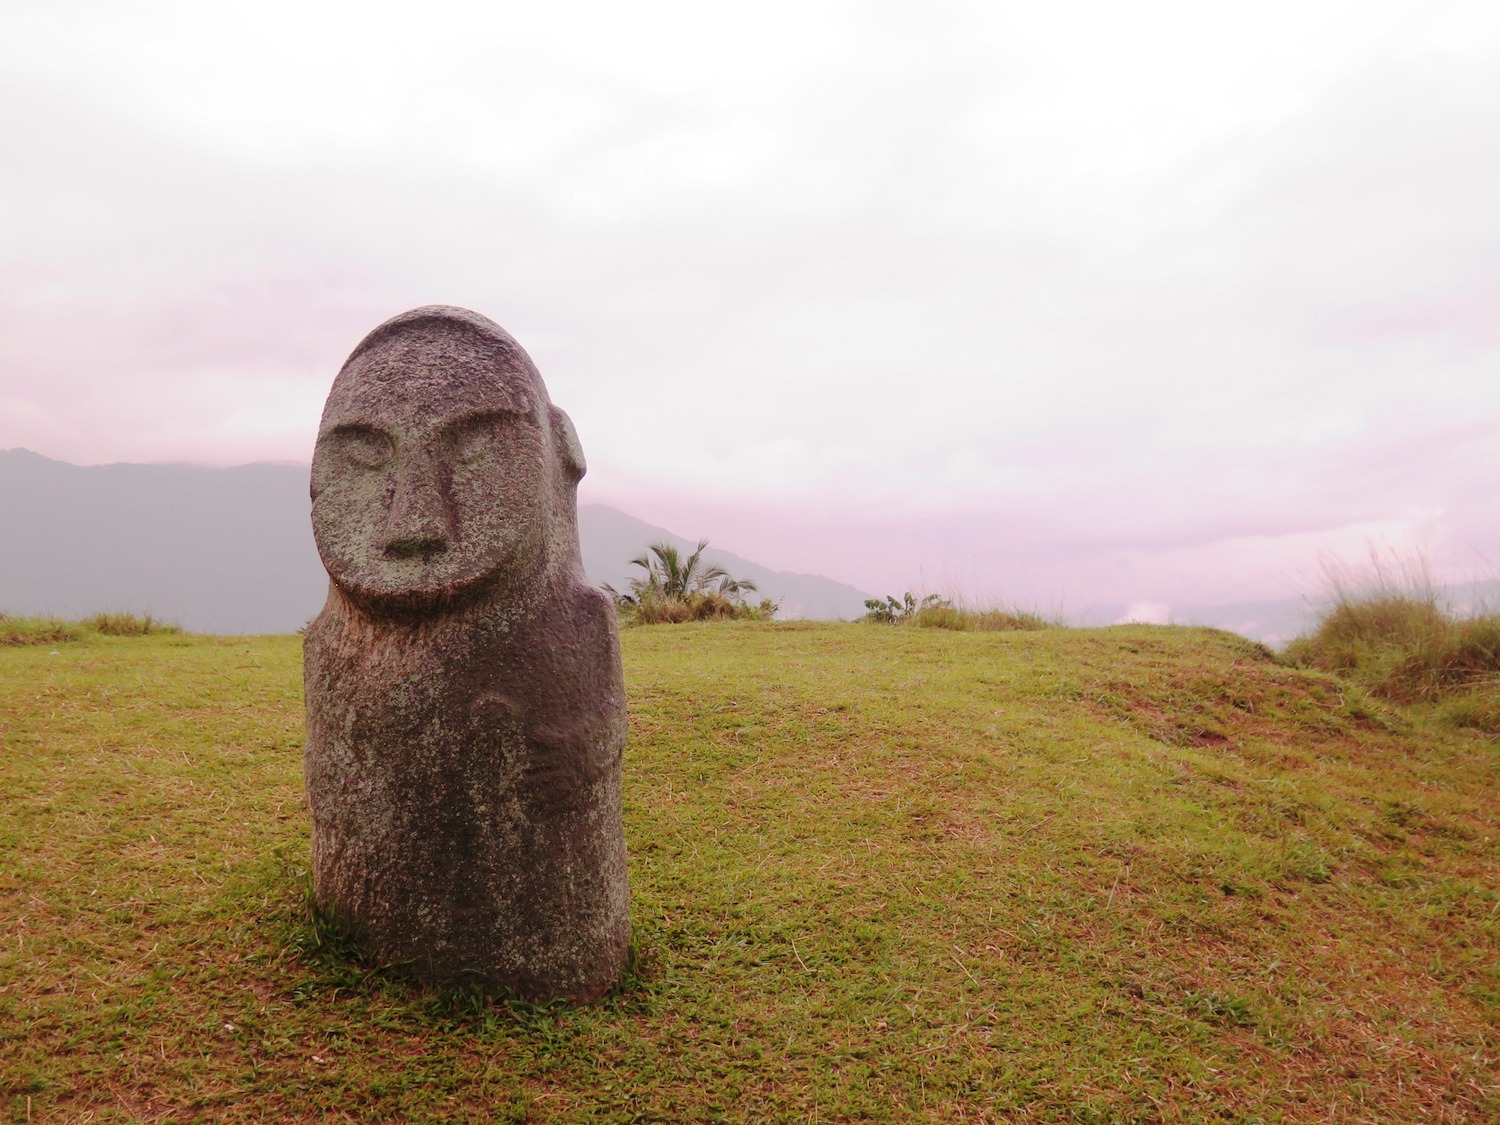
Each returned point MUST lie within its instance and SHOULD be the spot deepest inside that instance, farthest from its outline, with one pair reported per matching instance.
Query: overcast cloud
(1055, 303)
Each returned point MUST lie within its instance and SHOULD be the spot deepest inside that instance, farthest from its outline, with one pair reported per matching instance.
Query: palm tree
(671, 577)
(734, 587)
(676, 589)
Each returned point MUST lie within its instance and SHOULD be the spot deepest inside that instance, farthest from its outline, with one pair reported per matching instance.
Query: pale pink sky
(1055, 304)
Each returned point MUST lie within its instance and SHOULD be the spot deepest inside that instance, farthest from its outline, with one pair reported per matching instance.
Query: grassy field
(1130, 874)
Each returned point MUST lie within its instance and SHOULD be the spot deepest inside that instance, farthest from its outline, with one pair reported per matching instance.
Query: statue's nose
(417, 525)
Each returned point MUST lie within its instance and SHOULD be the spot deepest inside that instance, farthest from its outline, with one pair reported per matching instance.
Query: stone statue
(465, 702)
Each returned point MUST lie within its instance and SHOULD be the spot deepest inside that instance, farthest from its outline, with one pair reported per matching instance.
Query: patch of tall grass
(38, 630)
(15, 630)
(946, 615)
(934, 611)
(128, 625)
(1395, 634)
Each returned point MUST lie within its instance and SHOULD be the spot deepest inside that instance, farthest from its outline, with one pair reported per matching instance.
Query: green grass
(1131, 874)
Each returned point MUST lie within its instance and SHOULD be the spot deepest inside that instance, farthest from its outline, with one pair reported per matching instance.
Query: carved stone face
(432, 475)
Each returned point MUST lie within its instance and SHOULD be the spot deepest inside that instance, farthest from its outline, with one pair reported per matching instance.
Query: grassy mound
(1133, 874)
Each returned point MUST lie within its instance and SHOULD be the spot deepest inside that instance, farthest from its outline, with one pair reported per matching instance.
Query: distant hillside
(1272, 622)
(231, 551)
(1275, 622)
(216, 550)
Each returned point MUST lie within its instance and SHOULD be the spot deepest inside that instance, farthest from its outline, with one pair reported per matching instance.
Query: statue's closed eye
(364, 446)
(477, 439)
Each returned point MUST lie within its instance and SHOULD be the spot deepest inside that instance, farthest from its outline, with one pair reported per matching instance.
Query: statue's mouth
(422, 548)
(408, 601)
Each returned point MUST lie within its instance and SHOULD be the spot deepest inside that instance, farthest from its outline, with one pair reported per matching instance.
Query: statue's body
(465, 703)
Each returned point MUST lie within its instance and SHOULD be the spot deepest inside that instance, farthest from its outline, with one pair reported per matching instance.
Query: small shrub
(893, 612)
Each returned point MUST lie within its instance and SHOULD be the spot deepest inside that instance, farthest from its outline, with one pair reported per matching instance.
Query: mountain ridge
(171, 539)
(231, 551)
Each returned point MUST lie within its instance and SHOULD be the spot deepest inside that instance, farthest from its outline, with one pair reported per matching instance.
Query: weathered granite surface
(465, 701)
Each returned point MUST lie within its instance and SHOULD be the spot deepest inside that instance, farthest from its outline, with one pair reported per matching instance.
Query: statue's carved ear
(565, 440)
